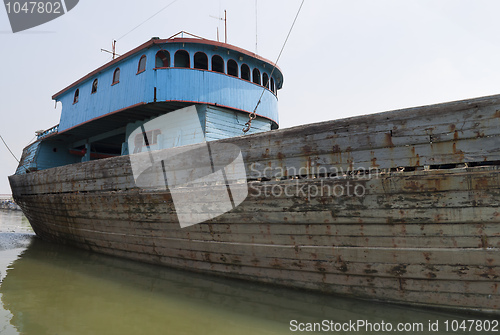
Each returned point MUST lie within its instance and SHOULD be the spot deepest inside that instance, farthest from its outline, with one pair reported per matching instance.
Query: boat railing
(47, 132)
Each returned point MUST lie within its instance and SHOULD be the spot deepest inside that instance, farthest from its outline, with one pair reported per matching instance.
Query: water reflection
(15, 235)
(52, 289)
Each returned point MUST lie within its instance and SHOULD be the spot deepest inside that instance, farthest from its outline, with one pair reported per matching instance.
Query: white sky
(344, 58)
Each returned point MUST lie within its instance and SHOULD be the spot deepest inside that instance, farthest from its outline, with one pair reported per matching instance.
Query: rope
(9, 149)
(253, 115)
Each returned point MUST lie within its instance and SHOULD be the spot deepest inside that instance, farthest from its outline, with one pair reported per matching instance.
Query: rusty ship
(399, 206)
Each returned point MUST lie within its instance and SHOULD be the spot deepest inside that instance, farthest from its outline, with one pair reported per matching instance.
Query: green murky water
(52, 289)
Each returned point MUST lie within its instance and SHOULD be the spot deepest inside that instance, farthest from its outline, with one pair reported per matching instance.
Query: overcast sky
(344, 58)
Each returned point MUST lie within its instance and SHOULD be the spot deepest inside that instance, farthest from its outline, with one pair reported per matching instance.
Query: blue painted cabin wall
(48, 158)
(202, 87)
(223, 123)
(132, 89)
(216, 123)
(28, 159)
(175, 84)
(180, 132)
(43, 155)
(205, 86)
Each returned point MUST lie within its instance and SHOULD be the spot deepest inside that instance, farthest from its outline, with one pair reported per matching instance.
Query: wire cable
(158, 12)
(253, 115)
(9, 149)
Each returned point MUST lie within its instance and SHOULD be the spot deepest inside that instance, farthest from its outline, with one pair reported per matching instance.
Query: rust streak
(388, 140)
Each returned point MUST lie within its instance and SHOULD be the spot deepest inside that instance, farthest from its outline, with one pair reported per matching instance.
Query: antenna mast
(256, 27)
(225, 25)
(113, 48)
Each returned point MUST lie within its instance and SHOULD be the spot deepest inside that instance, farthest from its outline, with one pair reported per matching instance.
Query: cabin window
(181, 59)
(94, 86)
(256, 76)
(232, 68)
(265, 80)
(142, 64)
(200, 61)
(273, 88)
(217, 64)
(77, 93)
(116, 76)
(162, 59)
(245, 72)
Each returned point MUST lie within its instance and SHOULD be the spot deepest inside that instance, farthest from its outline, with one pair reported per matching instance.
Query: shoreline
(7, 203)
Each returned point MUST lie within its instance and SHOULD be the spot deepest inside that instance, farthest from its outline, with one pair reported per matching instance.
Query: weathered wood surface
(426, 230)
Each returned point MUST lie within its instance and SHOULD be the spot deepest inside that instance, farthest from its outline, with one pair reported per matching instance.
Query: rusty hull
(426, 230)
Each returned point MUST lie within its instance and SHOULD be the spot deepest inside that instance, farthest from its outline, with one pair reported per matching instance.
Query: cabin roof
(155, 41)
